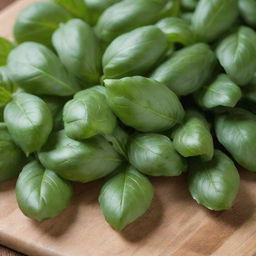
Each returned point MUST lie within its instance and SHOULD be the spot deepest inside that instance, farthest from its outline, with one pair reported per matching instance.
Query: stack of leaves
(123, 90)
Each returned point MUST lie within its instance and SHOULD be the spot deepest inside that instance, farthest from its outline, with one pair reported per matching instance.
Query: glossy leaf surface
(81, 161)
(134, 53)
(236, 132)
(143, 103)
(125, 197)
(187, 69)
(29, 121)
(214, 184)
(79, 51)
(40, 193)
(237, 55)
(154, 154)
(38, 70)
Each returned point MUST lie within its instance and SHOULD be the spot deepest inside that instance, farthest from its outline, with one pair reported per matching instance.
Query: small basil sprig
(144, 103)
(213, 17)
(5, 48)
(29, 121)
(125, 197)
(154, 154)
(214, 184)
(193, 137)
(237, 55)
(235, 130)
(187, 69)
(177, 30)
(134, 53)
(221, 92)
(40, 193)
(79, 51)
(128, 15)
(248, 11)
(38, 21)
(81, 161)
(12, 158)
(37, 69)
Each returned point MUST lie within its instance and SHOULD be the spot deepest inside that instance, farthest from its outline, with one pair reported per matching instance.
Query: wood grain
(174, 226)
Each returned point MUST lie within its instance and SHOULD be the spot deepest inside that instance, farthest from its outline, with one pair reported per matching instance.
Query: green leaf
(79, 51)
(128, 15)
(237, 55)
(189, 4)
(134, 53)
(81, 161)
(249, 91)
(11, 157)
(77, 7)
(214, 184)
(193, 137)
(177, 30)
(40, 193)
(221, 92)
(248, 11)
(187, 69)
(214, 17)
(154, 154)
(29, 121)
(5, 96)
(143, 103)
(38, 21)
(125, 197)
(5, 80)
(88, 114)
(5, 48)
(38, 70)
(236, 132)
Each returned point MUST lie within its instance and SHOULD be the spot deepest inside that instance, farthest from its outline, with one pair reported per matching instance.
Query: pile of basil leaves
(123, 90)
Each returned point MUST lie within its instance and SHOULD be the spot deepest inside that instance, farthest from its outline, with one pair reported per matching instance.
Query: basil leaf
(214, 184)
(5, 48)
(177, 30)
(128, 54)
(97, 7)
(11, 157)
(29, 121)
(40, 193)
(125, 197)
(213, 17)
(193, 137)
(189, 4)
(79, 51)
(249, 91)
(38, 21)
(248, 11)
(38, 70)
(5, 80)
(236, 132)
(221, 92)
(128, 15)
(187, 70)
(81, 161)
(88, 114)
(143, 103)
(237, 55)
(77, 7)
(154, 154)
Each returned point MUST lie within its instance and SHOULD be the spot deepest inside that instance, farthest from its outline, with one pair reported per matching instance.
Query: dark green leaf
(236, 132)
(214, 184)
(248, 11)
(237, 55)
(189, 4)
(5, 48)
(81, 161)
(40, 193)
(79, 51)
(29, 121)
(38, 70)
(125, 197)
(143, 103)
(187, 70)
(154, 154)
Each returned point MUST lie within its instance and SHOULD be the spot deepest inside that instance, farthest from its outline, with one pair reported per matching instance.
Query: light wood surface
(174, 226)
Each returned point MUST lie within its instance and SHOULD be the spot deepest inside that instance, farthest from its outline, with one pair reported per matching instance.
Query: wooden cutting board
(174, 226)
